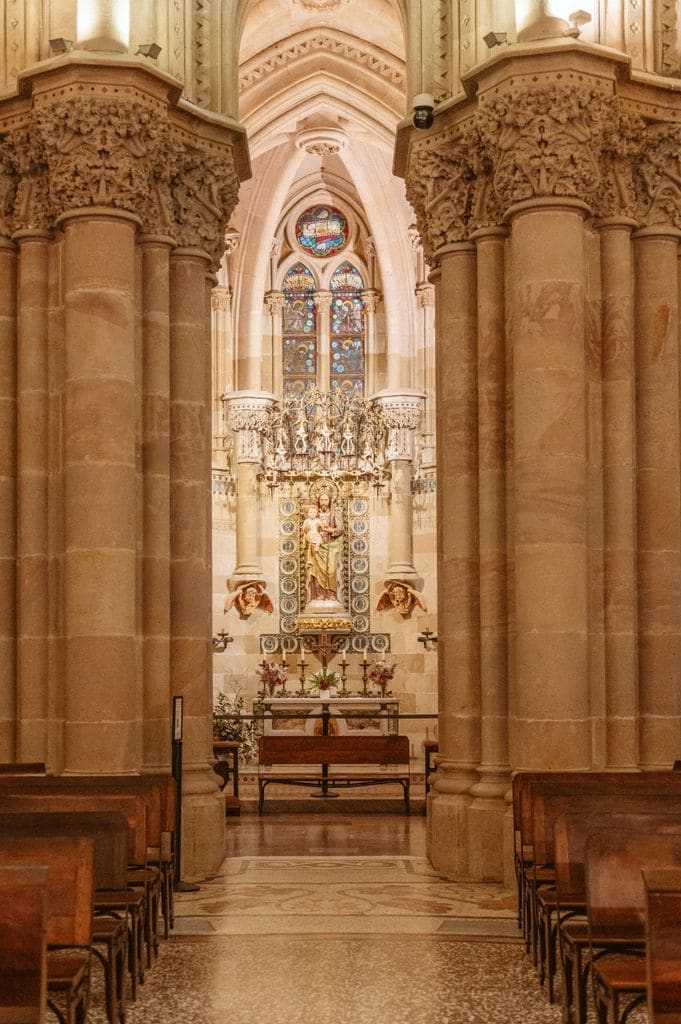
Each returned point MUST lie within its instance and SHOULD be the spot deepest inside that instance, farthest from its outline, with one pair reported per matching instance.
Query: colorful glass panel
(347, 328)
(322, 231)
(299, 329)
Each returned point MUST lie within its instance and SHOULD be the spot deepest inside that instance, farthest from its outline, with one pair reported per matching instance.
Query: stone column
(658, 493)
(401, 411)
(370, 297)
(156, 499)
(486, 815)
(322, 301)
(33, 654)
(549, 714)
(190, 551)
(458, 599)
(619, 494)
(8, 510)
(102, 731)
(274, 303)
(425, 302)
(248, 416)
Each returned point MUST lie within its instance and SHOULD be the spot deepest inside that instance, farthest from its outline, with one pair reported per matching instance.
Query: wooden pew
(22, 768)
(663, 944)
(569, 898)
(158, 790)
(109, 834)
(120, 901)
(615, 897)
(300, 754)
(23, 944)
(68, 903)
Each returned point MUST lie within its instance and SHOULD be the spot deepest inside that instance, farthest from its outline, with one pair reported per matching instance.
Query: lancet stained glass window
(347, 329)
(299, 330)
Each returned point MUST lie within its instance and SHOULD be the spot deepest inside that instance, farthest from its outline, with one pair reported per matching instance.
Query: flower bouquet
(324, 680)
(272, 676)
(381, 674)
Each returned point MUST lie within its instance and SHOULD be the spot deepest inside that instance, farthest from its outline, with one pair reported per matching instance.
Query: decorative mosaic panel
(353, 570)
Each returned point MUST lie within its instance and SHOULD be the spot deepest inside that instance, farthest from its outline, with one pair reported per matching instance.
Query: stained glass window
(322, 231)
(347, 329)
(299, 330)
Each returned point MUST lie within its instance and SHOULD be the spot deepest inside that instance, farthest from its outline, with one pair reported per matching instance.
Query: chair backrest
(131, 805)
(23, 939)
(571, 832)
(614, 862)
(663, 944)
(107, 829)
(69, 861)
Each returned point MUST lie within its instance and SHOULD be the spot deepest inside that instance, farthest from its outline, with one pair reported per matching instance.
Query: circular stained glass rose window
(322, 231)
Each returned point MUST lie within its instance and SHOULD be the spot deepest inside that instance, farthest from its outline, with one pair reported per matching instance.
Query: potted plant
(229, 725)
(326, 682)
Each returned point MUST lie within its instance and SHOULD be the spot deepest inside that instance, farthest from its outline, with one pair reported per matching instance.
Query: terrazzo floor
(338, 920)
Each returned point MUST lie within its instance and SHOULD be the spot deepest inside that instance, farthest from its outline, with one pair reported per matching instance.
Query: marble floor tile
(338, 922)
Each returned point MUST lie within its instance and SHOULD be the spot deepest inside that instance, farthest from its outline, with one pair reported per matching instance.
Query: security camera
(423, 110)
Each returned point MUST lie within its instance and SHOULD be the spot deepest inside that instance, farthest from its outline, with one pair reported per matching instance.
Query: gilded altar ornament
(247, 598)
(402, 597)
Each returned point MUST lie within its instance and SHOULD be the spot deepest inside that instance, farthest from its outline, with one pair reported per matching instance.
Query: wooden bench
(109, 834)
(336, 751)
(615, 894)
(23, 945)
(68, 904)
(663, 944)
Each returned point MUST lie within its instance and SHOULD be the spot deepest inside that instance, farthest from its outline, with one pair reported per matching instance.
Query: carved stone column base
(486, 817)
(203, 823)
(448, 805)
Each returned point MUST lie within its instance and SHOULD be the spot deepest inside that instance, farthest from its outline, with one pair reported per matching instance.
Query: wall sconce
(61, 45)
(220, 641)
(149, 50)
(427, 639)
(493, 39)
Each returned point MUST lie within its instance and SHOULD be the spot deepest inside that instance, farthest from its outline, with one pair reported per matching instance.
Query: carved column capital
(204, 191)
(440, 187)
(322, 301)
(249, 417)
(401, 412)
(221, 299)
(371, 299)
(657, 177)
(99, 151)
(425, 295)
(545, 140)
(274, 302)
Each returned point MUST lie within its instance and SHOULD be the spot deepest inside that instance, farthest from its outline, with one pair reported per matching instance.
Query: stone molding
(376, 60)
(543, 141)
(371, 299)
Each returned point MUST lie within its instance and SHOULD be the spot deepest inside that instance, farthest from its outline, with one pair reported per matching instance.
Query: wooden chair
(615, 896)
(68, 904)
(663, 944)
(23, 944)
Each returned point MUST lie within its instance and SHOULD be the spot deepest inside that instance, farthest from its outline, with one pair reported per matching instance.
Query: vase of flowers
(273, 676)
(326, 682)
(381, 675)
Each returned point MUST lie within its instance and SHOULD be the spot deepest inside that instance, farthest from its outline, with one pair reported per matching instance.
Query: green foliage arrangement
(229, 725)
